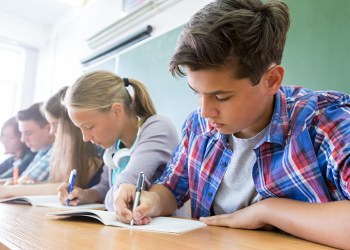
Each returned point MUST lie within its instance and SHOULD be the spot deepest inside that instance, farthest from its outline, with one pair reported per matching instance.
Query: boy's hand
(25, 180)
(123, 203)
(246, 218)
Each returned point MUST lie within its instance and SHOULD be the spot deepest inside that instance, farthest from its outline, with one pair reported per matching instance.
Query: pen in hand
(139, 187)
(72, 177)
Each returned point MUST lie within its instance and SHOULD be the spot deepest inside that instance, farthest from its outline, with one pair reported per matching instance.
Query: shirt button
(223, 164)
(210, 195)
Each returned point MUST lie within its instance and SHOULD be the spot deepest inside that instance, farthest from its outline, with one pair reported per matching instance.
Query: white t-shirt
(237, 189)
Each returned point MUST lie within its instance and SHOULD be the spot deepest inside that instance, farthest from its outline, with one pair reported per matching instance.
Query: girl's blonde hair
(100, 89)
(70, 151)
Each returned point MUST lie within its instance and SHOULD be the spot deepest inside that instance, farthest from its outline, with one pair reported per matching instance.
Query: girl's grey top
(155, 145)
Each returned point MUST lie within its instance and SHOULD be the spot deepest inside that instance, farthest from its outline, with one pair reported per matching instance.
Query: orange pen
(15, 175)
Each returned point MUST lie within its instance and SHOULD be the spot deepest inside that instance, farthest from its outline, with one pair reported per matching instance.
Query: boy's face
(35, 136)
(232, 106)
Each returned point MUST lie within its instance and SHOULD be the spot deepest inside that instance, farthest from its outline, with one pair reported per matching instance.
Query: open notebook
(158, 224)
(48, 201)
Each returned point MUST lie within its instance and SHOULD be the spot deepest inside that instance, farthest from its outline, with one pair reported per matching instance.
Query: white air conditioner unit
(117, 29)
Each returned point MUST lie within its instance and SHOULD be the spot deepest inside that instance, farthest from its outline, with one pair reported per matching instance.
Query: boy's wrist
(155, 208)
(266, 210)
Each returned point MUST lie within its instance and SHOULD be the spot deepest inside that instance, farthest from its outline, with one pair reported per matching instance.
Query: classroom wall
(316, 54)
(31, 36)
(30, 33)
(59, 62)
(310, 59)
(171, 95)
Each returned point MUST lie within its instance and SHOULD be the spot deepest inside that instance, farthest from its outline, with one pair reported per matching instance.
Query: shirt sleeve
(175, 175)
(39, 168)
(334, 131)
(103, 186)
(6, 168)
(155, 145)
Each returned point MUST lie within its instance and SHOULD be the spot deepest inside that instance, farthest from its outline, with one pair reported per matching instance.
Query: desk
(26, 227)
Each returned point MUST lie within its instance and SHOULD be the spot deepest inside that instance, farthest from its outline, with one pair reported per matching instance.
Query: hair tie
(126, 82)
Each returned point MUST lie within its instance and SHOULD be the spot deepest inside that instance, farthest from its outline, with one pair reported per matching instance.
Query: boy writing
(256, 154)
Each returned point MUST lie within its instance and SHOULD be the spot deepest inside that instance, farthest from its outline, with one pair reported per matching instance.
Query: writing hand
(25, 180)
(123, 202)
(74, 196)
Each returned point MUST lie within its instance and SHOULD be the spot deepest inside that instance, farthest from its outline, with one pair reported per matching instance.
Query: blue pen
(72, 176)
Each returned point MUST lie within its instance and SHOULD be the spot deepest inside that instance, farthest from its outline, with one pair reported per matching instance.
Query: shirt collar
(44, 151)
(277, 132)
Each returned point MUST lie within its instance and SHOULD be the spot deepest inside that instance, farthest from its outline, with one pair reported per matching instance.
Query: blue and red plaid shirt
(305, 154)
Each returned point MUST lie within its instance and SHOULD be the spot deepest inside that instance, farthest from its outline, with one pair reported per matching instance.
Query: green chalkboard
(317, 56)
(148, 62)
(317, 53)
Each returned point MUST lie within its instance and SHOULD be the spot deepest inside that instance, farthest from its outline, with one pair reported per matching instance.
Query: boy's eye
(222, 99)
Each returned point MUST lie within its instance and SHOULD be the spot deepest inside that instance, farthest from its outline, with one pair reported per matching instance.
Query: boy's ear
(274, 79)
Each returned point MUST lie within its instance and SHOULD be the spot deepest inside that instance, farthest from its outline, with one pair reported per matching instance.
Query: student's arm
(153, 149)
(21, 190)
(158, 201)
(325, 223)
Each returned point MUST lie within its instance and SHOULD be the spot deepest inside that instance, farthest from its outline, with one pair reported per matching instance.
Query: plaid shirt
(305, 154)
(39, 168)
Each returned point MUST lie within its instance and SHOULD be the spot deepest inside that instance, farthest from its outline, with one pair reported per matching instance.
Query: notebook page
(168, 225)
(48, 201)
(158, 224)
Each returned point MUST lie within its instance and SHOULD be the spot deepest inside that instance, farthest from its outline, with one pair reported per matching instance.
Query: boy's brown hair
(245, 35)
(33, 113)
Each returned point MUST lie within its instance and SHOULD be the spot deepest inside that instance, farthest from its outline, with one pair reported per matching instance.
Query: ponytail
(142, 104)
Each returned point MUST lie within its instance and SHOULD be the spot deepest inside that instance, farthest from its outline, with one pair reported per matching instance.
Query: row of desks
(27, 227)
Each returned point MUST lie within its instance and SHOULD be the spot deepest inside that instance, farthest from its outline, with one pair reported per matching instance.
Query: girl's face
(100, 128)
(11, 140)
(53, 121)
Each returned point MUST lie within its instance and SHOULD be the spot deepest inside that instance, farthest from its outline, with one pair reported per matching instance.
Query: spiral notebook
(158, 224)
